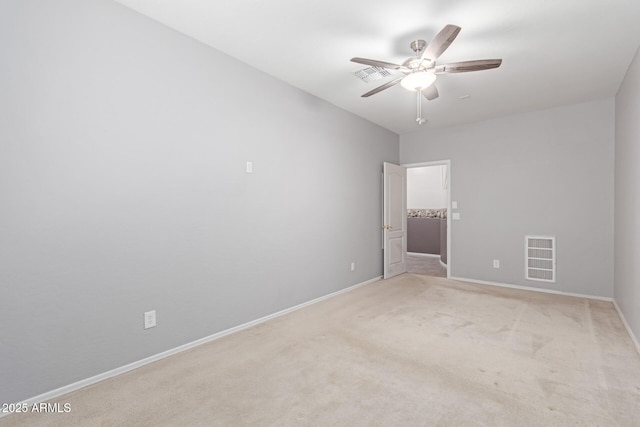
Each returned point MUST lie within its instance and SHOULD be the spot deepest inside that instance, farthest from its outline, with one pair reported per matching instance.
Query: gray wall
(122, 185)
(627, 197)
(548, 172)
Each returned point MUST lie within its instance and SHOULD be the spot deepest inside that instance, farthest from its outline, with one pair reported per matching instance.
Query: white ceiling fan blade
(381, 64)
(466, 66)
(383, 87)
(441, 42)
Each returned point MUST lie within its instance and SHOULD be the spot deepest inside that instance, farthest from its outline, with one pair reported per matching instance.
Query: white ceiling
(554, 52)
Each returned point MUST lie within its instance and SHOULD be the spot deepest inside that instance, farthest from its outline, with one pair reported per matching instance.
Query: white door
(395, 220)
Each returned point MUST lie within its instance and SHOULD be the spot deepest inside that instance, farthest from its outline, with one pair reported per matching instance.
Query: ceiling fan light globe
(418, 80)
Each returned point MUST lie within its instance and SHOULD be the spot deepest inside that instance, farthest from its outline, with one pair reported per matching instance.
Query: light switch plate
(454, 205)
(455, 215)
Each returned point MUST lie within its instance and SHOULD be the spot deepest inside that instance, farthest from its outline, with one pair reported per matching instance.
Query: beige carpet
(410, 351)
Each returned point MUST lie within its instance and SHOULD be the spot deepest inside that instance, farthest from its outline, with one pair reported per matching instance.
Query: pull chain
(419, 119)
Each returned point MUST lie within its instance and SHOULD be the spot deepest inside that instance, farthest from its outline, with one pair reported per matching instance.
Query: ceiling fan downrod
(418, 47)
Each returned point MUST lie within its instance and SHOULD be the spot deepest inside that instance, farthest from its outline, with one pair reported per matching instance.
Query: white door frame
(448, 164)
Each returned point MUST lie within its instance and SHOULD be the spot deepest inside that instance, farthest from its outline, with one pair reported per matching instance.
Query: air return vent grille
(372, 74)
(540, 258)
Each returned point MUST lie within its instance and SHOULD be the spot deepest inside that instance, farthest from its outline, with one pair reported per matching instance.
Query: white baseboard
(131, 366)
(527, 288)
(627, 327)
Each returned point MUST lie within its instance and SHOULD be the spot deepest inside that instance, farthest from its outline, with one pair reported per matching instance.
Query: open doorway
(428, 227)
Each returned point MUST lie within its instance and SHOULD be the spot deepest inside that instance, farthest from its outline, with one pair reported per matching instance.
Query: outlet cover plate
(149, 319)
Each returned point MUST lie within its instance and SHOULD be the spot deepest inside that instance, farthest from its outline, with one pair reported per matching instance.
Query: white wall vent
(540, 258)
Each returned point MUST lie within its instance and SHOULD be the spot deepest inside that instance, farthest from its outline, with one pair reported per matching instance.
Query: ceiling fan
(419, 72)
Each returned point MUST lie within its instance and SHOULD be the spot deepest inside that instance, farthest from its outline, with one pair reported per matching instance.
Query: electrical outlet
(496, 263)
(150, 319)
(353, 266)
(249, 167)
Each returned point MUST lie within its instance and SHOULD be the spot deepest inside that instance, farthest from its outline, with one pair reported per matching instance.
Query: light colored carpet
(429, 265)
(409, 351)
